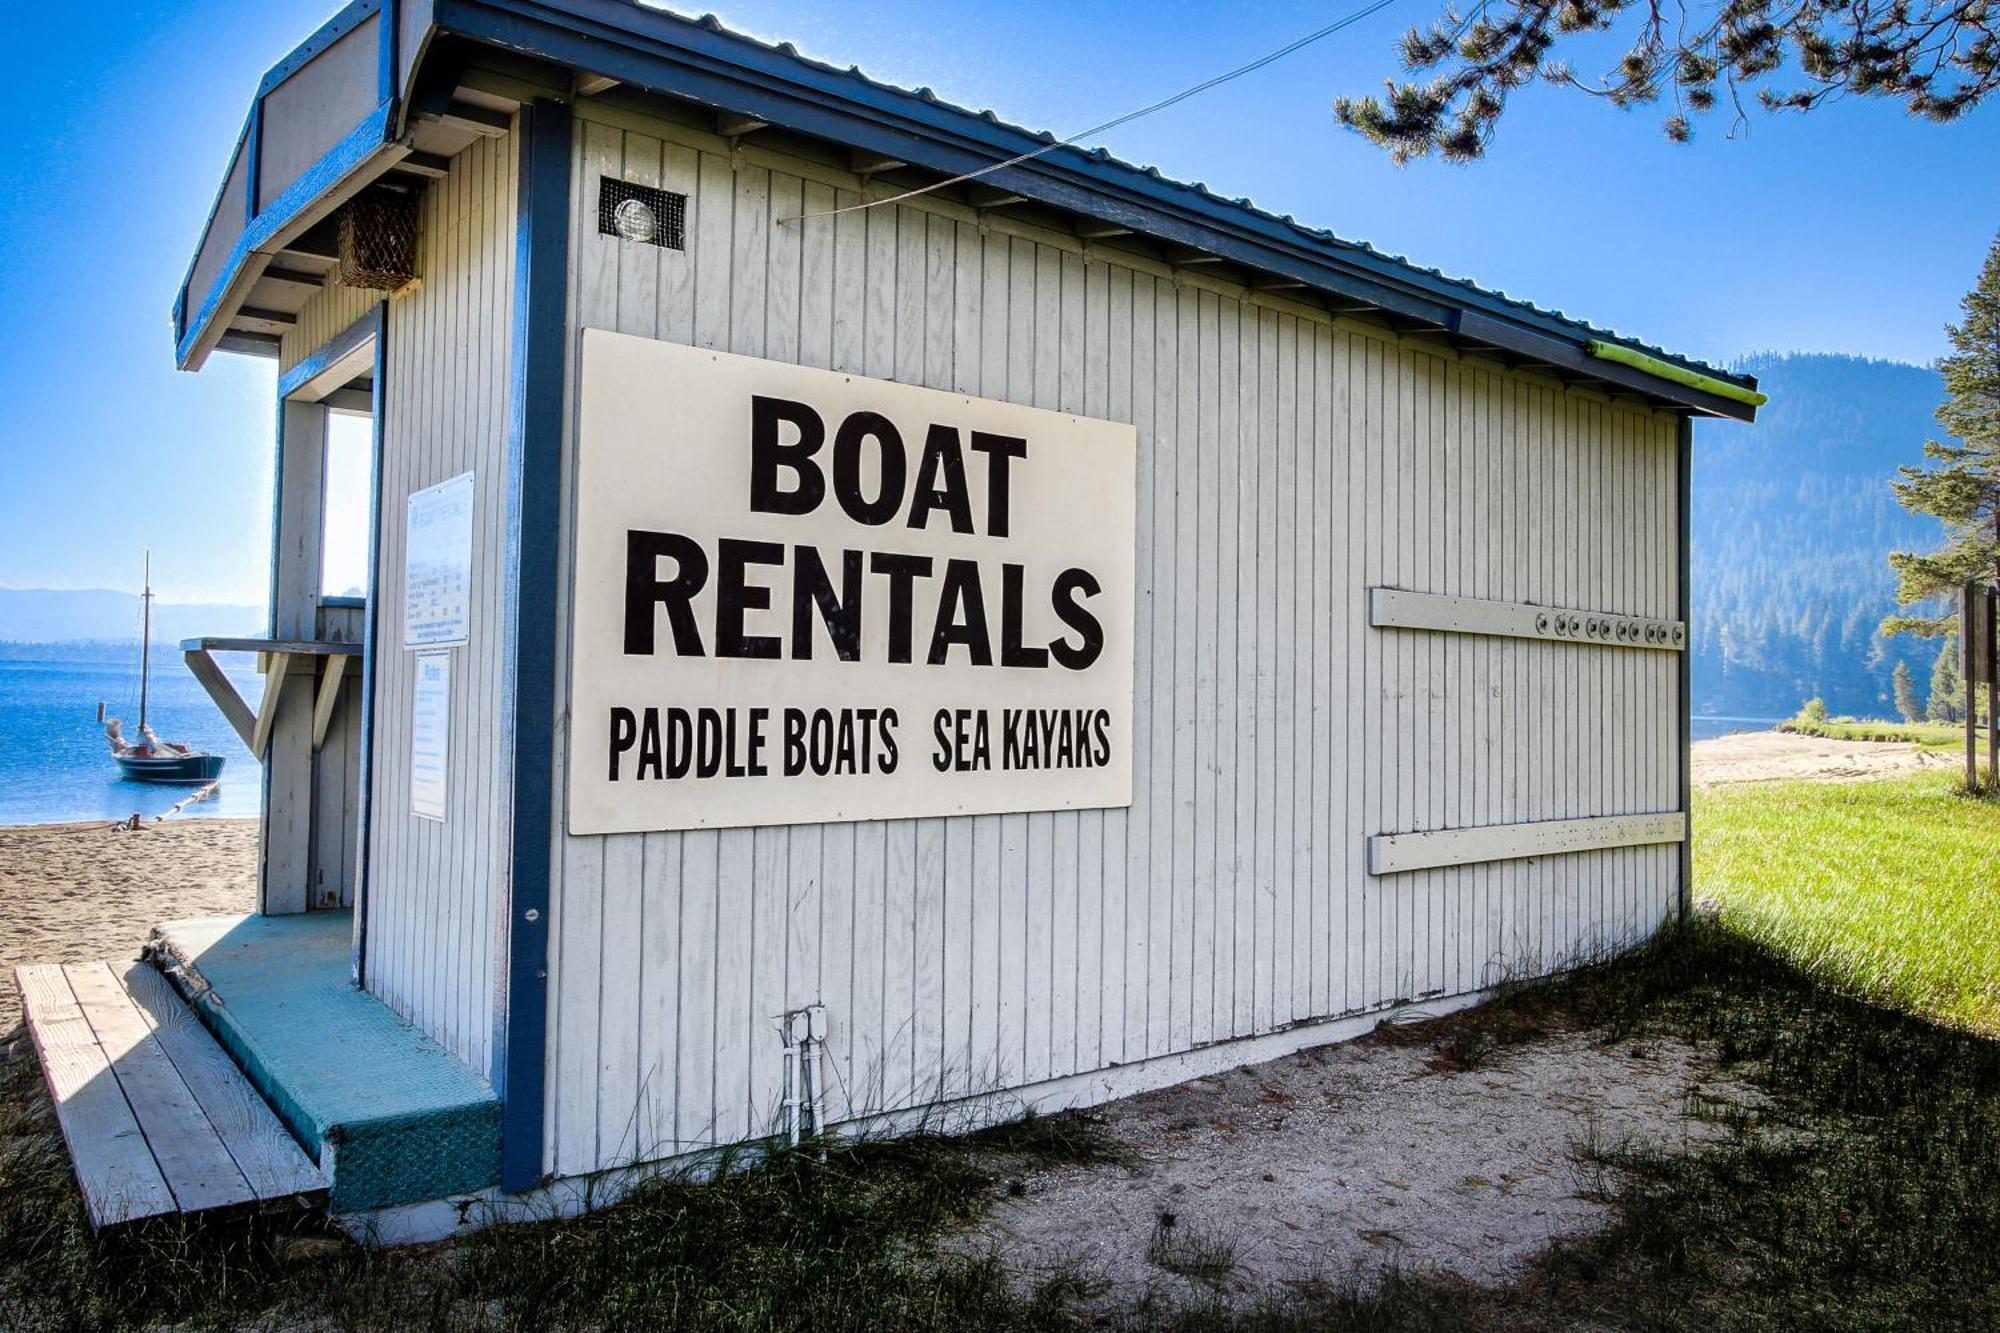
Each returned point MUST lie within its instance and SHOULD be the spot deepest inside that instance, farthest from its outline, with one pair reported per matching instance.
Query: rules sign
(804, 596)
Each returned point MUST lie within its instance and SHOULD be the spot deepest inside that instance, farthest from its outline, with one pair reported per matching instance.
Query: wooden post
(1990, 651)
(1977, 650)
(1967, 596)
(286, 720)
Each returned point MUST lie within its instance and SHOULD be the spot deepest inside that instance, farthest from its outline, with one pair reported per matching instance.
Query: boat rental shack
(849, 645)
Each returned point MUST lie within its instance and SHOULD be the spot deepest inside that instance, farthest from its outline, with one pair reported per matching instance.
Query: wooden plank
(1158, 428)
(1238, 588)
(1398, 853)
(1200, 367)
(1399, 608)
(189, 1152)
(115, 1169)
(1359, 722)
(294, 647)
(482, 121)
(272, 1163)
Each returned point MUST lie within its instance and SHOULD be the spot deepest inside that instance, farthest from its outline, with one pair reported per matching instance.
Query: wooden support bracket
(274, 658)
(237, 713)
(277, 666)
(329, 695)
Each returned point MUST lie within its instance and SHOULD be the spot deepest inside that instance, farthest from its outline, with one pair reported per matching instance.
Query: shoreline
(146, 823)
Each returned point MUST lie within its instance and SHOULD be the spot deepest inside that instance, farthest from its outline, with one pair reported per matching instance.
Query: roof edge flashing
(1677, 374)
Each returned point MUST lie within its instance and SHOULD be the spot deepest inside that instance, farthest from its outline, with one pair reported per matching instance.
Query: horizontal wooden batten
(1397, 608)
(1395, 853)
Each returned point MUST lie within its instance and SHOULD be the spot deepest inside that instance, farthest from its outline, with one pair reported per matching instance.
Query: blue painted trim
(329, 32)
(342, 344)
(701, 61)
(250, 141)
(208, 225)
(385, 54)
(371, 630)
(253, 161)
(360, 143)
(534, 528)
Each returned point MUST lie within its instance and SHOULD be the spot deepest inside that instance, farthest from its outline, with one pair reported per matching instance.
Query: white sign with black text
(430, 736)
(437, 564)
(804, 596)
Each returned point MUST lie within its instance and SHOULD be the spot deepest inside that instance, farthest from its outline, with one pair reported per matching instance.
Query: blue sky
(1854, 230)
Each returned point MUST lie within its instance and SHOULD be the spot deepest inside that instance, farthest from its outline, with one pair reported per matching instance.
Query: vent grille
(641, 213)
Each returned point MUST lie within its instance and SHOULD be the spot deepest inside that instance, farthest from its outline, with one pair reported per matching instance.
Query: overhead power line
(1183, 95)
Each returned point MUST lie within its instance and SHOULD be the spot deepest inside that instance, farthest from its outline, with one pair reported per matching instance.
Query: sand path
(1323, 1166)
(1779, 756)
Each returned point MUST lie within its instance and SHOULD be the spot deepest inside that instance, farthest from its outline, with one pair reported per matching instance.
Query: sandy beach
(76, 892)
(1780, 756)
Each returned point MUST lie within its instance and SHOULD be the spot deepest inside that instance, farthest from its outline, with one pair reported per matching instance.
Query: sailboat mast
(145, 641)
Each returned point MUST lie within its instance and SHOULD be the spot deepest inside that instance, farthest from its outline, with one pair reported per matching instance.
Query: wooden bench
(157, 1117)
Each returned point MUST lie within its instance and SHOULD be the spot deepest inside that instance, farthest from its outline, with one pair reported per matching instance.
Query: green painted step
(391, 1115)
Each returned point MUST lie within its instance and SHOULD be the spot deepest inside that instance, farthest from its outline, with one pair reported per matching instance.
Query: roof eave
(672, 56)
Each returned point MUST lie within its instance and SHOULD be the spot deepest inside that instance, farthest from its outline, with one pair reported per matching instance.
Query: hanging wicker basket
(377, 240)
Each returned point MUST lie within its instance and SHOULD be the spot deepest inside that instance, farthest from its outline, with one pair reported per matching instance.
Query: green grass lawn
(1889, 890)
(1935, 736)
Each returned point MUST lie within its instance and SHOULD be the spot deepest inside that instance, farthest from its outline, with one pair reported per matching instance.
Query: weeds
(1190, 1251)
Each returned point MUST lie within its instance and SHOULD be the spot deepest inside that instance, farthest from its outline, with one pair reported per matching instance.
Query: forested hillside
(1793, 518)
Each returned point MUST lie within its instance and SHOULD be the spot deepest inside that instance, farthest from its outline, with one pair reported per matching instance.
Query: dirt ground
(70, 893)
(1778, 756)
(1326, 1165)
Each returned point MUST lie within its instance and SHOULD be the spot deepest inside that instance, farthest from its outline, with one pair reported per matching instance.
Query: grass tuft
(1934, 736)
(1191, 1250)
(1074, 1138)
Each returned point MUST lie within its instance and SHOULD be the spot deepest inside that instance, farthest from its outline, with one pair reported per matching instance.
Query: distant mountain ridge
(1793, 520)
(99, 615)
(1792, 525)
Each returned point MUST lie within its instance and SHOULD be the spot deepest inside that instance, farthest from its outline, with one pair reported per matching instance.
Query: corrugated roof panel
(1320, 236)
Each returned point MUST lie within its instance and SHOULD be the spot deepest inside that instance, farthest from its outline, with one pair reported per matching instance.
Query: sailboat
(152, 759)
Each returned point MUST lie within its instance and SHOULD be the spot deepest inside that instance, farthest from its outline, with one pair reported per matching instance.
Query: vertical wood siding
(326, 314)
(1287, 463)
(433, 887)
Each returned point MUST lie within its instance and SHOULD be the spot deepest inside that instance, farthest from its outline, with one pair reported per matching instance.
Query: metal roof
(1319, 235)
(702, 61)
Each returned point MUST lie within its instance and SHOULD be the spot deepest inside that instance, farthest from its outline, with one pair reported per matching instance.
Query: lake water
(1707, 728)
(55, 765)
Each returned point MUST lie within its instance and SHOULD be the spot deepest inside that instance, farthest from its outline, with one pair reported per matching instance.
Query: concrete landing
(391, 1116)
